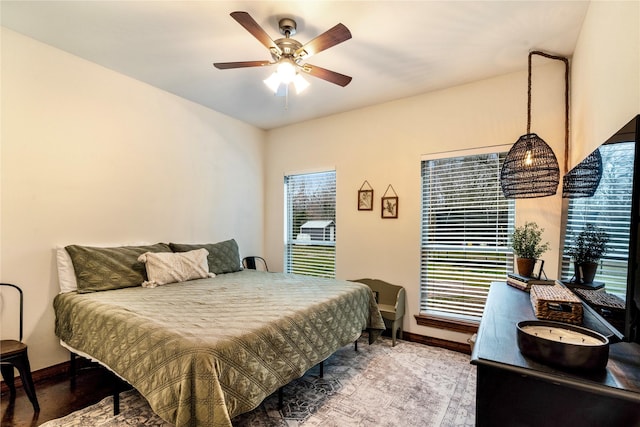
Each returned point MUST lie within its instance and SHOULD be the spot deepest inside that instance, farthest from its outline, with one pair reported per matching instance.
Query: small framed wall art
(389, 204)
(365, 197)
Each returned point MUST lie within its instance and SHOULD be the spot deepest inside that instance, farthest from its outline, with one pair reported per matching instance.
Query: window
(310, 226)
(610, 209)
(466, 227)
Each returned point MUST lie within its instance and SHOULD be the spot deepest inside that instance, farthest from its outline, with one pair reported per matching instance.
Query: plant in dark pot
(589, 246)
(527, 245)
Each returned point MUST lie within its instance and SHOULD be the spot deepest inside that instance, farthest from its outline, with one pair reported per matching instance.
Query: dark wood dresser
(513, 390)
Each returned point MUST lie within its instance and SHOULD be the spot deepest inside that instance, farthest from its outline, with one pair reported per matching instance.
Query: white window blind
(466, 227)
(310, 246)
(610, 209)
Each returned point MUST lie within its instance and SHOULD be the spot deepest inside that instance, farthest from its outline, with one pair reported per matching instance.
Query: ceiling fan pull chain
(286, 97)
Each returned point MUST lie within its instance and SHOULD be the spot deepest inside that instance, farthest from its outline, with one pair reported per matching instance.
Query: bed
(203, 351)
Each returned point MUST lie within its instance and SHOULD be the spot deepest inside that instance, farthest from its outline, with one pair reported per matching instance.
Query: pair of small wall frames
(389, 201)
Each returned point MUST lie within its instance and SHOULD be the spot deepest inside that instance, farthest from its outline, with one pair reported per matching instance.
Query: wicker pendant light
(531, 168)
(583, 180)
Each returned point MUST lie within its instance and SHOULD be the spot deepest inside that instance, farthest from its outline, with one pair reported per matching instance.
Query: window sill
(449, 324)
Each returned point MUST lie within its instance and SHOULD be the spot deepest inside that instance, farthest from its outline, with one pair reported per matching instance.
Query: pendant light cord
(566, 101)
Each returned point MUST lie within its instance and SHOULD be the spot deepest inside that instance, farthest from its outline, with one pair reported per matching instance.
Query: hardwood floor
(57, 398)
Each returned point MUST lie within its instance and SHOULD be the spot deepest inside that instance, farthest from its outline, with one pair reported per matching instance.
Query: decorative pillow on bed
(163, 268)
(103, 269)
(224, 257)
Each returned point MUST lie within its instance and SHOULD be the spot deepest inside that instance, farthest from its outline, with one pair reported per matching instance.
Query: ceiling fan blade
(328, 75)
(329, 38)
(256, 30)
(244, 64)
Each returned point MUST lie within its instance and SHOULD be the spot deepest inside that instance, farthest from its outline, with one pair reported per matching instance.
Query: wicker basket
(601, 299)
(556, 303)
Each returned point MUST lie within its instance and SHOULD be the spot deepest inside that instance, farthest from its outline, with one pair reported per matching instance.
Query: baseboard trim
(41, 375)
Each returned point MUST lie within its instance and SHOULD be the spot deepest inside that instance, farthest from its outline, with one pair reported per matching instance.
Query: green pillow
(223, 257)
(103, 269)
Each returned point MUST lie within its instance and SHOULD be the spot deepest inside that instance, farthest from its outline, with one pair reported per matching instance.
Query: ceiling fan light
(273, 82)
(286, 71)
(300, 83)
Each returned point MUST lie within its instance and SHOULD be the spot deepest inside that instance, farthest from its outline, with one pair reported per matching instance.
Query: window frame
(443, 318)
(313, 257)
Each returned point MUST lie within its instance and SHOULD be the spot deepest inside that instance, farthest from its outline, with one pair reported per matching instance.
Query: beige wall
(90, 156)
(605, 75)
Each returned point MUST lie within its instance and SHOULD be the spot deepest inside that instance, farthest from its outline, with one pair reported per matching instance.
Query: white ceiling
(398, 49)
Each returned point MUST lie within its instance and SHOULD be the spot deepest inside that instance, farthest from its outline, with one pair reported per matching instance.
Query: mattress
(204, 351)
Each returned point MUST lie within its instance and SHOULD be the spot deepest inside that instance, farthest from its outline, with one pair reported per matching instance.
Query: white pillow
(66, 273)
(172, 267)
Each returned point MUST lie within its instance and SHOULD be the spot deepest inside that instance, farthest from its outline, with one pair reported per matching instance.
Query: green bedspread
(204, 351)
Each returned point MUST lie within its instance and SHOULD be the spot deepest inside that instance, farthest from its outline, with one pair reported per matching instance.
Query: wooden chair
(391, 302)
(14, 354)
(255, 263)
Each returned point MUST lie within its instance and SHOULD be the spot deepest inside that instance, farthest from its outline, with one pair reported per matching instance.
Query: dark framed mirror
(611, 204)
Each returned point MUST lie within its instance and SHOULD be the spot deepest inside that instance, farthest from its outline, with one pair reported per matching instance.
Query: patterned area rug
(379, 385)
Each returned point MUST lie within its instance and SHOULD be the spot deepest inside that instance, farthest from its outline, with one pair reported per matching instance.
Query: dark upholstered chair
(14, 354)
(391, 301)
(255, 263)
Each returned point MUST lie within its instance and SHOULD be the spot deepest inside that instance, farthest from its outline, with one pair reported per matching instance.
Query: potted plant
(526, 243)
(590, 245)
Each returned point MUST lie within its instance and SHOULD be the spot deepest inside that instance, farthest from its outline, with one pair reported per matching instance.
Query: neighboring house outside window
(610, 209)
(310, 224)
(466, 229)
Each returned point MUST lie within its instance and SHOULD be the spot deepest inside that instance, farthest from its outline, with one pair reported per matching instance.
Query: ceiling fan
(289, 54)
